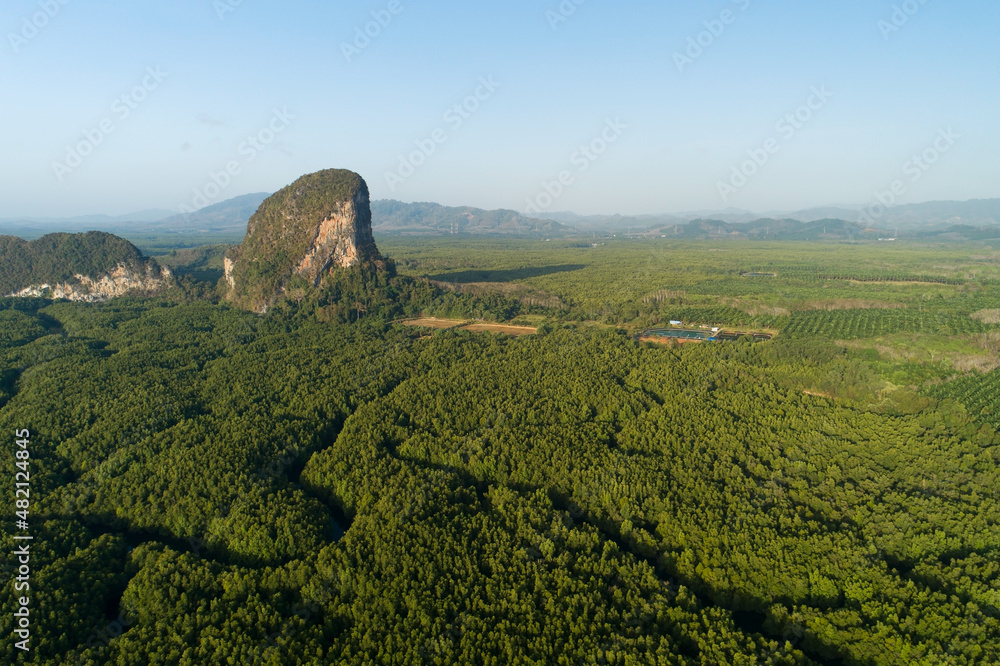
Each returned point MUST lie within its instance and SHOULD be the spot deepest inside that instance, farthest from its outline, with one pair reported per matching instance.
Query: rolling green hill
(60, 257)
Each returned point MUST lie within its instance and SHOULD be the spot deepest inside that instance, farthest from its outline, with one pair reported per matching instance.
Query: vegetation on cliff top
(280, 232)
(58, 258)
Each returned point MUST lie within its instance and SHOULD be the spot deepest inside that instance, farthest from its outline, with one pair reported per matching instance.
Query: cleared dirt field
(443, 324)
(433, 322)
(516, 331)
(659, 340)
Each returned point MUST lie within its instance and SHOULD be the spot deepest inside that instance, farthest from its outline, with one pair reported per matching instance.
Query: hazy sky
(184, 85)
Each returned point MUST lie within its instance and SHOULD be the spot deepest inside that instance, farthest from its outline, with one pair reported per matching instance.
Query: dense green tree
(321, 485)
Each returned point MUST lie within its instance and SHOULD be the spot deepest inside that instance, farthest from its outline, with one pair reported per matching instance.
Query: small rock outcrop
(317, 225)
(89, 267)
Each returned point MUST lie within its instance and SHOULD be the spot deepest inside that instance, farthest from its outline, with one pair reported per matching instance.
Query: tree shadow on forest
(505, 275)
(751, 621)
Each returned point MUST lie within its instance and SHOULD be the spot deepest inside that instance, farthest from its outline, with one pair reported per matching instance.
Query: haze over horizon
(164, 99)
(157, 215)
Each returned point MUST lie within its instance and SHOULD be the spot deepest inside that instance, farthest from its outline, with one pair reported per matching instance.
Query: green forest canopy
(57, 258)
(322, 485)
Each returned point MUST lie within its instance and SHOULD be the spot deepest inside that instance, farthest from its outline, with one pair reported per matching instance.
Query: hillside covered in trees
(60, 258)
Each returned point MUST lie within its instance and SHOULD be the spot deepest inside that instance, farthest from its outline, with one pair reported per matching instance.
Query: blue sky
(227, 71)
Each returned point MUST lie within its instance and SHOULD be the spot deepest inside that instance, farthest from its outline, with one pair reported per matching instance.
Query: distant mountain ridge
(151, 215)
(959, 219)
(229, 215)
(226, 216)
(769, 229)
(977, 212)
(929, 215)
(816, 230)
(396, 217)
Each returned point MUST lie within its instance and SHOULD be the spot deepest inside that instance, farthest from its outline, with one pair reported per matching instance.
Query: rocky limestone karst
(121, 281)
(319, 224)
(88, 267)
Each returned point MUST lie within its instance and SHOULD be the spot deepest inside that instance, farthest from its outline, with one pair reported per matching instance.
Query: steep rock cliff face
(318, 224)
(121, 281)
(89, 267)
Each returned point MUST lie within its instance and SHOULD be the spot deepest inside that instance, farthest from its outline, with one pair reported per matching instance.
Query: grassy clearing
(956, 354)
